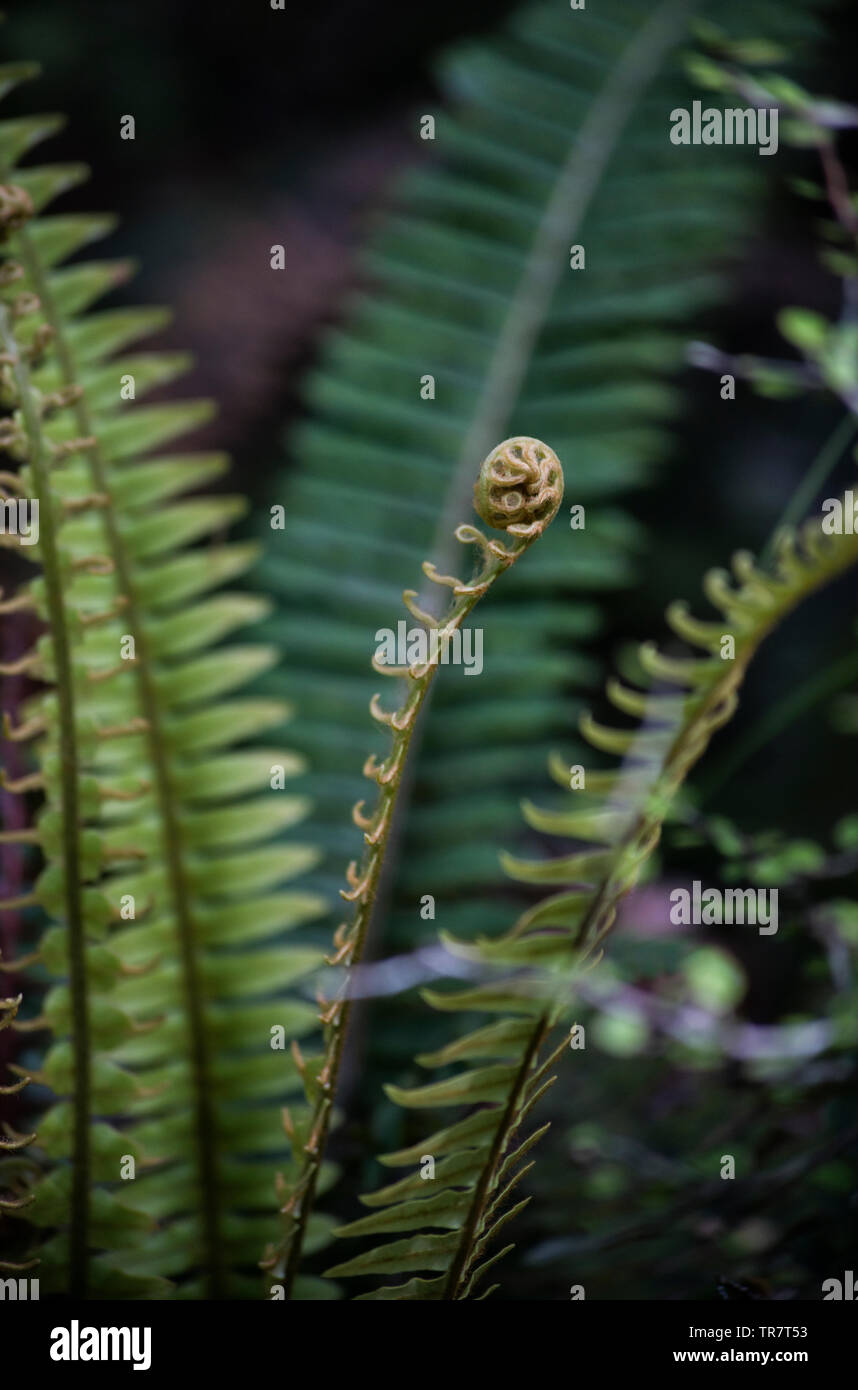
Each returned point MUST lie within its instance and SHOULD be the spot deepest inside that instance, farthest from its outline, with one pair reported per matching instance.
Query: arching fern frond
(166, 966)
(618, 815)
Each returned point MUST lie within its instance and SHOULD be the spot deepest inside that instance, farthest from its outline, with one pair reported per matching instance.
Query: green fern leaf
(162, 873)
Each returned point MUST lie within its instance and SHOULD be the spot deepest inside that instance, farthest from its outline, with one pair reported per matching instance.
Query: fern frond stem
(476, 1210)
(561, 222)
(69, 800)
(827, 458)
(365, 881)
(337, 1028)
(204, 1123)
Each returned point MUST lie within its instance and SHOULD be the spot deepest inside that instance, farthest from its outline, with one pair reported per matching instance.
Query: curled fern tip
(520, 486)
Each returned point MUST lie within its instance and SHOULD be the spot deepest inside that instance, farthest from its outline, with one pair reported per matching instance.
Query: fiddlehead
(519, 489)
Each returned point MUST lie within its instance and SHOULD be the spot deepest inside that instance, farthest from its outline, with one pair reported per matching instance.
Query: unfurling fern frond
(618, 817)
(167, 975)
(518, 491)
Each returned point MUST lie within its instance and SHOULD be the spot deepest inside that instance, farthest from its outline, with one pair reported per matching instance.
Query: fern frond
(518, 491)
(479, 1158)
(161, 874)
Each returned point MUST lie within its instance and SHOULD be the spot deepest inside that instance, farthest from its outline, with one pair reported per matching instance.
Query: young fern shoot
(519, 489)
